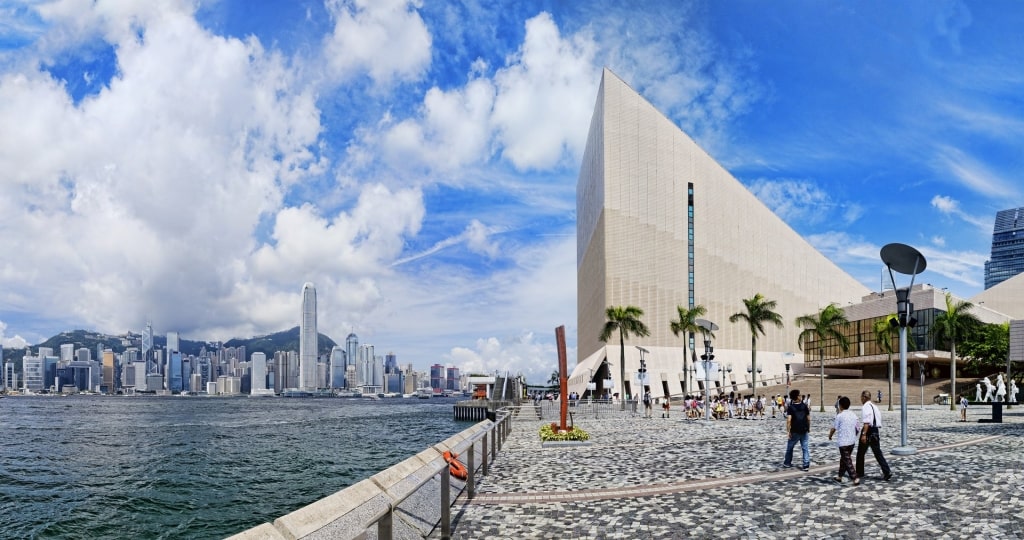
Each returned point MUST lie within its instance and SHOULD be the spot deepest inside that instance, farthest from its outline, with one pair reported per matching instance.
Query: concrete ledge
(412, 488)
(265, 531)
(564, 444)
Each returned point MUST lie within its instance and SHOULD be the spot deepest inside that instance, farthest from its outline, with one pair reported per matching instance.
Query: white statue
(977, 392)
(988, 389)
(1013, 391)
(1000, 390)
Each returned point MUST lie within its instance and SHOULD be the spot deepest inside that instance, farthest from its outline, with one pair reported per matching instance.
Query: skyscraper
(173, 341)
(338, 365)
(258, 374)
(1007, 259)
(147, 346)
(308, 339)
(351, 349)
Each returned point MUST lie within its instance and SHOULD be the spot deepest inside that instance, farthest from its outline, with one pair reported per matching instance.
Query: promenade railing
(420, 491)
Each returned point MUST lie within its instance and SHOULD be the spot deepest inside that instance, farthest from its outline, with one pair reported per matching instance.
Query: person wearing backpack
(798, 429)
(871, 423)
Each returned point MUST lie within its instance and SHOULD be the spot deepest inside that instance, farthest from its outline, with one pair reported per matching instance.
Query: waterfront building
(107, 363)
(364, 365)
(377, 371)
(147, 347)
(154, 382)
(280, 372)
(10, 381)
(308, 339)
(452, 379)
(139, 377)
(390, 363)
(197, 383)
(32, 373)
(338, 365)
(258, 373)
(174, 372)
(67, 353)
(437, 373)
(1007, 259)
(661, 224)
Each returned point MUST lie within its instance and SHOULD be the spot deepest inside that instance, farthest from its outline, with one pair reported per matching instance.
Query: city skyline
(190, 163)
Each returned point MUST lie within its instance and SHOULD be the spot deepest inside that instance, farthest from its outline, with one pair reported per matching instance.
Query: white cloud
(519, 354)
(951, 207)
(453, 131)
(140, 202)
(386, 39)
(16, 342)
(794, 200)
(545, 96)
(974, 175)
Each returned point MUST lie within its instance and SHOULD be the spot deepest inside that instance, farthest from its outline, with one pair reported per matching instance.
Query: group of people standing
(864, 433)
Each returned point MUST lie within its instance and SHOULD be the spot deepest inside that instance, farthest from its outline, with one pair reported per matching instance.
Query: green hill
(287, 340)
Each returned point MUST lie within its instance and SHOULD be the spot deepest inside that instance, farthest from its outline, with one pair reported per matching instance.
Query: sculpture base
(904, 451)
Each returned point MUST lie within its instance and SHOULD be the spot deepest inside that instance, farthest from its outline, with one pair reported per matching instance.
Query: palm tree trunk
(890, 381)
(821, 379)
(686, 375)
(753, 361)
(622, 370)
(952, 375)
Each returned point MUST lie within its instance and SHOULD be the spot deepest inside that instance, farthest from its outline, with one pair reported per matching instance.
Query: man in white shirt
(846, 427)
(871, 423)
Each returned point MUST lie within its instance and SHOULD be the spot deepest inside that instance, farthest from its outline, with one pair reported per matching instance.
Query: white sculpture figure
(977, 392)
(988, 389)
(1000, 390)
(1013, 391)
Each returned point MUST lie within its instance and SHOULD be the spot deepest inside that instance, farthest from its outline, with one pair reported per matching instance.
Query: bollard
(471, 481)
(446, 504)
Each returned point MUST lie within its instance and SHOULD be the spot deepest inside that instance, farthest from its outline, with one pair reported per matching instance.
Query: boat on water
(425, 393)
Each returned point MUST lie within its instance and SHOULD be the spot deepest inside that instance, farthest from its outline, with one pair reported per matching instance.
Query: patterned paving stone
(675, 478)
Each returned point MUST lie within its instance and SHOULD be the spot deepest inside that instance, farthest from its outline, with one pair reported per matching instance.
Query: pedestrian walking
(871, 424)
(879, 396)
(647, 405)
(963, 408)
(846, 427)
(798, 429)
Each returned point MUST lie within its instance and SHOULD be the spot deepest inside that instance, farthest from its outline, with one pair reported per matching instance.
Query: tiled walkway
(676, 478)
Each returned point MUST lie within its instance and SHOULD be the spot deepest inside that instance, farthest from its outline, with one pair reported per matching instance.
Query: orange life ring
(455, 467)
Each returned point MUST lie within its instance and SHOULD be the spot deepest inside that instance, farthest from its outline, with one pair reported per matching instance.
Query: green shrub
(550, 433)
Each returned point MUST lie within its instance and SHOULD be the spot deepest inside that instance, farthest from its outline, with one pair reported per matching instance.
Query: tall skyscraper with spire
(308, 339)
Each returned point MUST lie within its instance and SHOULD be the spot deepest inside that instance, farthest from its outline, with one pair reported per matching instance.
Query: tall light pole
(706, 329)
(905, 260)
(641, 373)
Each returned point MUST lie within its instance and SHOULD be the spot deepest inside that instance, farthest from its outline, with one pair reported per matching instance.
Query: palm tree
(956, 321)
(759, 311)
(687, 325)
(820, 327)
(627, 321)
(884, 332)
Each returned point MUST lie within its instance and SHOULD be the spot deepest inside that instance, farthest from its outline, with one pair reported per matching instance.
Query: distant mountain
(287, 340)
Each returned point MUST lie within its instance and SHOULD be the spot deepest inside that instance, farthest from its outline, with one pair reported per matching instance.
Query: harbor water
(195, 467)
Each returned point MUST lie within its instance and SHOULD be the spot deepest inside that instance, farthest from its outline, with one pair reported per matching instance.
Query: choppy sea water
(171, 467)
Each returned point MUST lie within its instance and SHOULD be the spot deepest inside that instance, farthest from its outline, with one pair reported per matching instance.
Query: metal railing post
(471, 480)
(446, 504)
(483, 454)
(494, 441)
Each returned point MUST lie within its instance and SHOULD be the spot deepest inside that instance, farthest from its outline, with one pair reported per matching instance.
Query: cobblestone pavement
(678, 478)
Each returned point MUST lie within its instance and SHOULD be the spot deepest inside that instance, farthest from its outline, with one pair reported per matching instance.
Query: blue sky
(193, 164)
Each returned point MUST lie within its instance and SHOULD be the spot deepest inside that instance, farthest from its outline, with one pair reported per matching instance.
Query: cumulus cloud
(15, 342)
(519, 354)
(143, 198)
(385, 39)
(794, 200)
(542, 108)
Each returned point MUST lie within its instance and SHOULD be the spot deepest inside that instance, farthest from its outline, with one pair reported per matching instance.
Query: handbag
(873, 435)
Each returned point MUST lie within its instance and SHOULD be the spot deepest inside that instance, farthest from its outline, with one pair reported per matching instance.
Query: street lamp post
(641, 374)
(905, 260)
(787, 379)
(706, 329)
